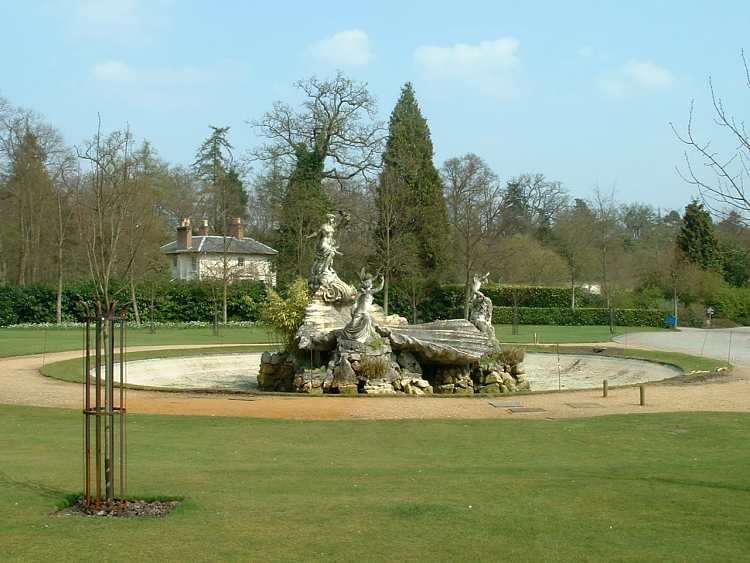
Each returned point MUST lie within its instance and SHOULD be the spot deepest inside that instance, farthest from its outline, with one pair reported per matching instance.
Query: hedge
(579, 316)
(194, 301)
(173, 301)
(447, 300)
(732, 303)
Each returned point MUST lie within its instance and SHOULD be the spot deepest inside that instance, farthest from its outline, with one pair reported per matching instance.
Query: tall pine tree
(223, 192)
(697, 239)
(409, 196)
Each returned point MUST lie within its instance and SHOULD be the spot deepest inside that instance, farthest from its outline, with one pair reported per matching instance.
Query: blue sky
(580, 91)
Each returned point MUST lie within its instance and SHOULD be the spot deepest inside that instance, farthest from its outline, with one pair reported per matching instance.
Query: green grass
(20, 341)
(667, 487)
(554, 334)
(685, 362)
(72, 370)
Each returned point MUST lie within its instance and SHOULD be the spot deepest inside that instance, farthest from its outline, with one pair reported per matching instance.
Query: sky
(582, 92)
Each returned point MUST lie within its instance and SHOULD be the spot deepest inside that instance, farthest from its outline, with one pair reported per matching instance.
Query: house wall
(190, 266)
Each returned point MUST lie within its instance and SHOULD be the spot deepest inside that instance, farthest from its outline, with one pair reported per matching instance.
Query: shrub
(512, 355)
(373, 368)
(578, 317)
(285, 314)
(732, 303)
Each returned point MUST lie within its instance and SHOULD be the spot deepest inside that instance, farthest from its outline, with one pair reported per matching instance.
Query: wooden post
(605, 388)
(643, 395)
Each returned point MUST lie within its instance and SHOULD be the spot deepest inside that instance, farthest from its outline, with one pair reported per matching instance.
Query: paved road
(724, 344)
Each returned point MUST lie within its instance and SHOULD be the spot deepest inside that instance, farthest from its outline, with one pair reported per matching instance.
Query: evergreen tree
(303, 209)
(29, 189)
(697, 239)
(223, 192)
(415, 183)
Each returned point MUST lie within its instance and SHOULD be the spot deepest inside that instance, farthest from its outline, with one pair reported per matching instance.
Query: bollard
(605, 388)
(643, 395)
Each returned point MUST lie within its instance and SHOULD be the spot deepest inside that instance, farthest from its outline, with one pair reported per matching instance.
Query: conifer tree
(409, 179)
(224, 194)
(29, 188)
(697, 239)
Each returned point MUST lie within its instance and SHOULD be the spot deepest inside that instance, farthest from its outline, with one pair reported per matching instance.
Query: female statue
(325, 249)
(362, 327)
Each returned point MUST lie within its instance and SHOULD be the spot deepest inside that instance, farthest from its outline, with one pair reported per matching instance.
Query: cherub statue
(480, 306)
(362, 327)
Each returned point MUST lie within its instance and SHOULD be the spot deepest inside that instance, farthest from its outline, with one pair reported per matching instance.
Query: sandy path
(22, 384)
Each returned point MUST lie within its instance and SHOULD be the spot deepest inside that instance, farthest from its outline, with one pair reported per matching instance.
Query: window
(195, 263)
(241, 261)
(174, 261)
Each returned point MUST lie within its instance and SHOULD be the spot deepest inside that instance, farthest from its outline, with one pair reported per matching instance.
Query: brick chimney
(203, 229)
(236, 228)
(184, 235)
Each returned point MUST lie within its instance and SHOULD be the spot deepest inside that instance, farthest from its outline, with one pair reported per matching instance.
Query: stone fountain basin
(238, 372)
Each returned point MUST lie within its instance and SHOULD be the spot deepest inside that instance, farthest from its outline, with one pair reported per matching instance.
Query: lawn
(555, 334)
(669, 487)
(19, 341)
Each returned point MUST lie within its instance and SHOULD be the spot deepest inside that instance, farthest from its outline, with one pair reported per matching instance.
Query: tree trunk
(467, 295)
(58, 297)
(134, 301)
(387, 279)
(224, 301)
(572, 292)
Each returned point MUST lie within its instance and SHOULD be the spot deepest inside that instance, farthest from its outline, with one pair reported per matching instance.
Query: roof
(219, 244)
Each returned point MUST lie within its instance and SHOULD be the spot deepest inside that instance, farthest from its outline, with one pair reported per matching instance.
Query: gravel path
(22, 384)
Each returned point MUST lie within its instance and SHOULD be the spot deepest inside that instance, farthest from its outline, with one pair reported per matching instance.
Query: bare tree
(532, 202)
(396, 248)
(337, 123)
(722, 180)
(474, 198)
(111, 209)
(574, 232)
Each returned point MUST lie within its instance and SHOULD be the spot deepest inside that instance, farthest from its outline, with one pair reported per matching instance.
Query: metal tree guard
(108, 409)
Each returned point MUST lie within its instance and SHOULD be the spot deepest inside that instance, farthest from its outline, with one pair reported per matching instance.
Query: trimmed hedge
(447, 300)
(578, 317)
(173, 301)
(194, 301)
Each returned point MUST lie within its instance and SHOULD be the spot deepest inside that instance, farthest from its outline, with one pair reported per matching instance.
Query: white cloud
(130, 22)
(350, 48)
(635, 77)
(165, 88)
(492, 66)
(118, 72)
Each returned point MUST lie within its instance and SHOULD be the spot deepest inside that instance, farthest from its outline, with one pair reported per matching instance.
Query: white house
(231, 257)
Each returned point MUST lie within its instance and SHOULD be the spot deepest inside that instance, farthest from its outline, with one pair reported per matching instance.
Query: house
(231, 257)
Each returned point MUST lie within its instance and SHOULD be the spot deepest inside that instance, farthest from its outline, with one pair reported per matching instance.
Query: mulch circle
(121, 509)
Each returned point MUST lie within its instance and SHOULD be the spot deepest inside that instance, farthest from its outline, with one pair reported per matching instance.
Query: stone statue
(322, 275)
(480, 307)
(362, 326)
